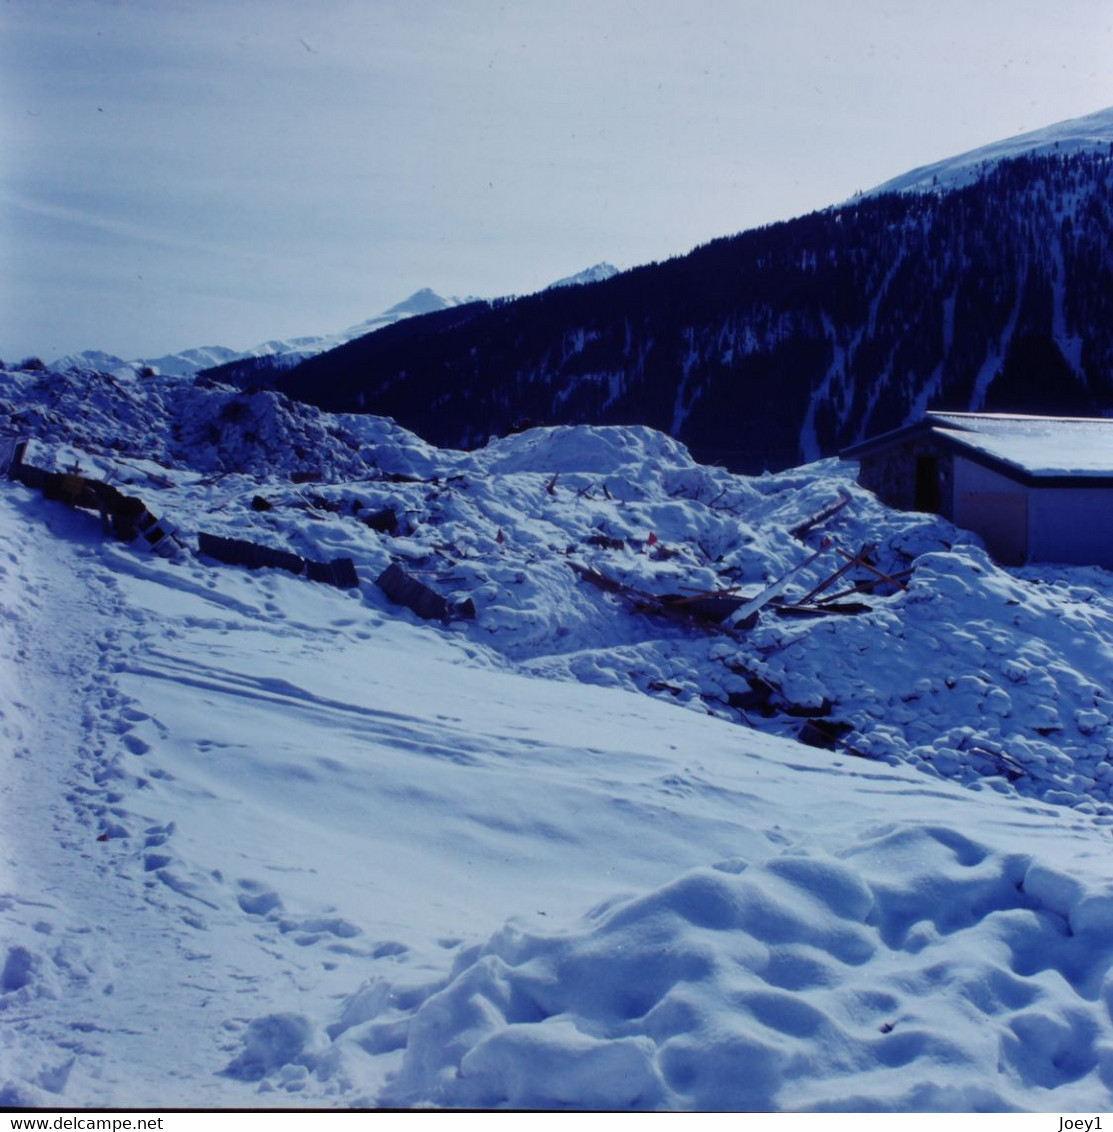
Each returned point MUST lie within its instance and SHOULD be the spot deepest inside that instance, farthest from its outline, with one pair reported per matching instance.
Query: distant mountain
(88, 359)
(280, 353)
(183, 364)
(786, 343)
(594, 274)
(266, 364)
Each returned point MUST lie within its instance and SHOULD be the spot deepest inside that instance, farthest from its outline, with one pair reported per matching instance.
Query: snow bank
(917, 970)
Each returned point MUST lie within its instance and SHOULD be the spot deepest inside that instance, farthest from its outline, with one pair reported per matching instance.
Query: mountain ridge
(1088, 132)
(982, 281)
(287, 352)
(186, 363)
(785, 343)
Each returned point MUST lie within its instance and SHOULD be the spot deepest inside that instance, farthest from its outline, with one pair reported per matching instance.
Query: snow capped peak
(1090, 132)
(187, 363)
(88, 359)
(291, 351)
(594, 274)
(425, 301)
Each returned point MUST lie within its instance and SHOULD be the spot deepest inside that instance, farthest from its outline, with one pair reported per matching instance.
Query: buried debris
(318, 506)
(814, 605)
(818, 728)
(745, 617)
(703, 611)
(12, 449)
(384, 521)
(827, 735)
(124, 516)
(713, 606)
(820, 516)
(403, 589)
(127, 518)
(340, 572)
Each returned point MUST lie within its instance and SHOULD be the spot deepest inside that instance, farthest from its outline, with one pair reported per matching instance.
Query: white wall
(1043, 524)
(973, 477)
(1071, 524)
(994, 507)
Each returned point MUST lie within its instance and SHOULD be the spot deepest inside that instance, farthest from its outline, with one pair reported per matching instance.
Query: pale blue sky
(176, 174)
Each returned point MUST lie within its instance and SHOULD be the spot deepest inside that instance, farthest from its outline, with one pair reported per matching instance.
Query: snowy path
(110, 987)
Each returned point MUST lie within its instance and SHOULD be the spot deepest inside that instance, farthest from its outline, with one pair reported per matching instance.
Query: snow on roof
(1079, 447)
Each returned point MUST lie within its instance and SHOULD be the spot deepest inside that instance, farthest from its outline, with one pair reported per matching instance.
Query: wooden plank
(405, 590)
(240, 552)
(801, 529)
(873, 569)
(828, 581)
(863, 585)
(750, 610)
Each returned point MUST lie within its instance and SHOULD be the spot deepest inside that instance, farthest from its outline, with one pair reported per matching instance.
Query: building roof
(1040, 446)
(1049, 451)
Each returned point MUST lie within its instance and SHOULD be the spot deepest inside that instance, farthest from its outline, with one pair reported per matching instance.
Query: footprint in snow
(389, 948)
(136, 745)
(256, 899)
(18, 970)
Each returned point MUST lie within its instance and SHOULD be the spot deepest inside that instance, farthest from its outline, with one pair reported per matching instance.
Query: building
(1036, 489)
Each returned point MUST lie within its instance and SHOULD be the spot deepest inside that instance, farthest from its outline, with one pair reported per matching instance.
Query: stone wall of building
(897, 474)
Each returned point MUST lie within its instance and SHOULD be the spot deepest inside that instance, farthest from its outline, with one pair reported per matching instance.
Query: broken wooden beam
(828, 581)
(860, 560)
(125, 516)
(340, 572)
(746, 615)
(600, 581)
(715, 606)
(415, 595)
(788, 609)
(240, 552)
(824, 513)
(673, 607)
(863, 585)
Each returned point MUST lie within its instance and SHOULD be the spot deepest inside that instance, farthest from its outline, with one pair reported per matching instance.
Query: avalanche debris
(953, 664)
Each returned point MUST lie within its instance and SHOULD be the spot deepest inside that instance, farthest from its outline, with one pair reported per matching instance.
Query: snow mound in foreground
(917, 971)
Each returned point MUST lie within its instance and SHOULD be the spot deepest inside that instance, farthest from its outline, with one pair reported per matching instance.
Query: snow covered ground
(270, 843)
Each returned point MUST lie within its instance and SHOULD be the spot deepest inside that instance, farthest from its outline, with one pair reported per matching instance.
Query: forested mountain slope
(787, 342)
